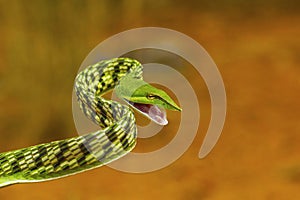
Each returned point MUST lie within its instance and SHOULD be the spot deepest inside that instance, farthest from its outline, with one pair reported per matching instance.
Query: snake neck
(98, 79)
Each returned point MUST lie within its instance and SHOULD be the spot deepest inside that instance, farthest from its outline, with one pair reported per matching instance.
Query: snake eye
(151, 96)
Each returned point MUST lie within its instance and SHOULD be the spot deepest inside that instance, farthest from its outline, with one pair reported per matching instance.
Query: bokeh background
(256, 47)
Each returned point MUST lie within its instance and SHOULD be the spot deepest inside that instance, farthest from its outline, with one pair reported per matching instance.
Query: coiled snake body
(116, 138)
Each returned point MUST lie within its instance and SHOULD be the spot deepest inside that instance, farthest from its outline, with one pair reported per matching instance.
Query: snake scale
(116, 138)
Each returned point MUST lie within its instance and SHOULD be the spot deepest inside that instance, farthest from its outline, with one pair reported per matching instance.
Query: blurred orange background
(255, 44)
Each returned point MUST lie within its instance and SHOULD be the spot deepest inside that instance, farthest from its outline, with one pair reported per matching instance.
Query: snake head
(146, 99)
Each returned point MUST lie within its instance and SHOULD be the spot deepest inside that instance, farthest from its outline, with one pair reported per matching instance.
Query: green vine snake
(116, 138)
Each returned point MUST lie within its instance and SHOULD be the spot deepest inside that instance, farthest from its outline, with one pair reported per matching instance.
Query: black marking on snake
(63, 145)
(60, 158)
(65, 167)
(2, 162)
(116, 79)
(102, 120)
(42, 151)
(109, 85)
(43, 171)
(2, 159)
(38, 160)
(96, 87)
(121, 62)
(19, 156)
(102, 110)
(84, 151)
(15, 167)
(124, 141)
(117, 70)
(81, 161)
(111, 135)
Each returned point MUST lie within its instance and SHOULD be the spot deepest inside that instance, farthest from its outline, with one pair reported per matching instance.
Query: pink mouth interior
(156, 114)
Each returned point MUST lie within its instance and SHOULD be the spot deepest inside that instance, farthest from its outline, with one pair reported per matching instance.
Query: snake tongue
(153, 112)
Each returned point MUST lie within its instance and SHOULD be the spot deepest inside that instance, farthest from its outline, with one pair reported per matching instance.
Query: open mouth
(153, 112)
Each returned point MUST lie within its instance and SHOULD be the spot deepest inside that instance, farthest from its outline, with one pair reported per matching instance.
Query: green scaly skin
(118, 135)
